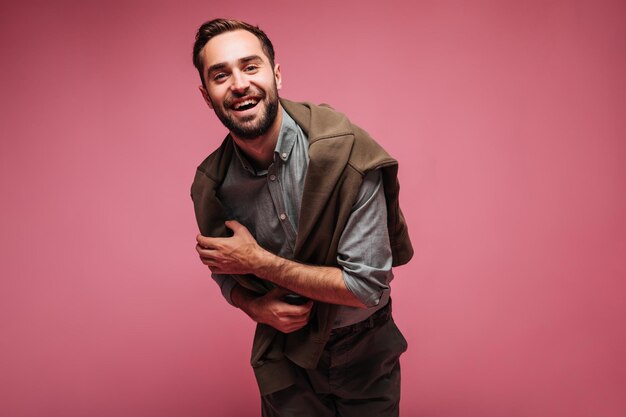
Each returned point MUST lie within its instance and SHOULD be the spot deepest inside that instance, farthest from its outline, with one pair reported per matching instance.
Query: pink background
(508, 121)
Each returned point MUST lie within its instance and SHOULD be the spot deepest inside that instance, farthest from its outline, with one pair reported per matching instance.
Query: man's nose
(240, 82)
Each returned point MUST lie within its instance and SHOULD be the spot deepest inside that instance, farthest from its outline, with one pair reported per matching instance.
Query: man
(300, 226)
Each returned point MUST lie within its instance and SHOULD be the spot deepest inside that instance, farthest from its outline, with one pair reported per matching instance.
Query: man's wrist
(266, 265)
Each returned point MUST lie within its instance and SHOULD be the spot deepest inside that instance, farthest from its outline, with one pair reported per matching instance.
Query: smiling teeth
(245, 103)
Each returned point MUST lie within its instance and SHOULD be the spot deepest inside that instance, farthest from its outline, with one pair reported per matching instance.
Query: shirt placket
(276, 192)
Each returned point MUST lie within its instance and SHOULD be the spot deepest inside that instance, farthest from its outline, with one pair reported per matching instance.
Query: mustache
(257, 94)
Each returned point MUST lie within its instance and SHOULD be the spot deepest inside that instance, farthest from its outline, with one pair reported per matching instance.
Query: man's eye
(250, 68)
(219, 76)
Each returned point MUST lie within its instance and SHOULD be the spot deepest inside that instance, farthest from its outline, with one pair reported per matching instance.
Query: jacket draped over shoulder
(340, 155)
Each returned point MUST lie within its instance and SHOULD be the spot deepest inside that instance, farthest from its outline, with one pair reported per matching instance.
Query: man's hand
(270, 309)
(241, 254)
(230, 255)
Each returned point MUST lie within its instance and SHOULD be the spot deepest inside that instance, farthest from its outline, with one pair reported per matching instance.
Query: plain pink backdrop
(508, 119)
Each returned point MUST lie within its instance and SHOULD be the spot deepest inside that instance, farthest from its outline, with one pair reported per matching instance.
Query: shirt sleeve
(364, 251)
(226, 284)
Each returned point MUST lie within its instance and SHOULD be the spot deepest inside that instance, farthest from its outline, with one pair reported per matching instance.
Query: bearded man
(300, 226)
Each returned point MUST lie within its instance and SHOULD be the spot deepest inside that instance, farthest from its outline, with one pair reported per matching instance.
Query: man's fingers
(208, 253)
(232, 224)
(297, 311)
(213, 242)
(294, 325)
(212, 259)
(206, 242)
(283, 316)
(288, 326)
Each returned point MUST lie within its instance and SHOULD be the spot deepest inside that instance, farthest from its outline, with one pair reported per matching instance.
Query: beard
(250, 128)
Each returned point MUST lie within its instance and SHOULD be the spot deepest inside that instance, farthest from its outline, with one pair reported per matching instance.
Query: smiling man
(300, 226)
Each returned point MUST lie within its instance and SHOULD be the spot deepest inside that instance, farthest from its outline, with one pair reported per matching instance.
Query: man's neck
(260, 150)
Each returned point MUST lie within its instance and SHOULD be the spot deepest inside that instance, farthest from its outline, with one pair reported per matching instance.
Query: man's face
(241, 86)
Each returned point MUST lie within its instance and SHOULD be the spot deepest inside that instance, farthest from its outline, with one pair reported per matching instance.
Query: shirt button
(283, 216)
(272, 177)
(283, 155)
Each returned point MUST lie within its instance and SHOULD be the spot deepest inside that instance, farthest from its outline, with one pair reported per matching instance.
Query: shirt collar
(286, 138)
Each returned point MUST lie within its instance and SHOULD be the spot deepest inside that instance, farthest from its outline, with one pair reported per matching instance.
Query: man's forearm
(241, 254)
(320, 283)
(242, 297)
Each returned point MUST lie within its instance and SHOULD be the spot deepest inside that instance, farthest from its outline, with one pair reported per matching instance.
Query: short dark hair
(215, 27)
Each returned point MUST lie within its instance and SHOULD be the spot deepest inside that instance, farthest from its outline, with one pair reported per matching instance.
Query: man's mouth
(245, 104)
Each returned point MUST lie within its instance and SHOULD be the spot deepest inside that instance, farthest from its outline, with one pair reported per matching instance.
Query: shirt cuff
(369, 293)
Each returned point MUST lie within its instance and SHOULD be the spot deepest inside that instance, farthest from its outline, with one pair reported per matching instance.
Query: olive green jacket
(340, 154)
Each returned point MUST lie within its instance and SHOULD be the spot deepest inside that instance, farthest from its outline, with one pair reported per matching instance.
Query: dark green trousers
(358, 375)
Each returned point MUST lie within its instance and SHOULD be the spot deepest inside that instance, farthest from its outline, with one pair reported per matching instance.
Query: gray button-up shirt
(268, 201)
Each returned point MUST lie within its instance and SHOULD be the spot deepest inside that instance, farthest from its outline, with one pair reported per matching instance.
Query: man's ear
(205, 95)
(278, 77)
